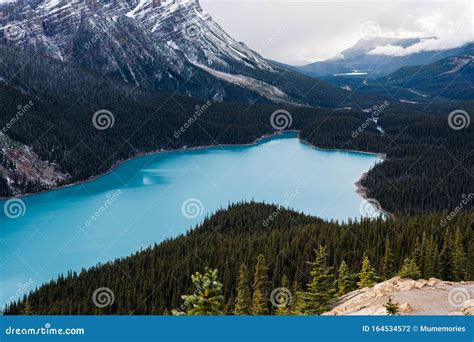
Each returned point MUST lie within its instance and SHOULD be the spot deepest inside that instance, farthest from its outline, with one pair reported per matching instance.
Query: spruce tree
(295, 290)
(444, 258)
(27, 308)
(285, 302)
(259, 287)
(367, 276)
(387, 266)
(207, 298)
(409, 269)
(320, 291)
(243, 299)
(343, 279)
(392, 308)
(458, 258)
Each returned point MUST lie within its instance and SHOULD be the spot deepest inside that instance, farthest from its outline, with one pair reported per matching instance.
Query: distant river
(151, 198)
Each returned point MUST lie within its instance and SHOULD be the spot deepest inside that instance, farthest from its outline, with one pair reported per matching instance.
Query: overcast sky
(299, 32)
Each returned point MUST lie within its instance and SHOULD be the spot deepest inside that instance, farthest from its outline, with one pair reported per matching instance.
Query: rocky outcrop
(414, 297)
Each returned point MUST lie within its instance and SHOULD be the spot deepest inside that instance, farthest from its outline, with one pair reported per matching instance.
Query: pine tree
(392, 308)
(295, 290)
(207, 298)
(387, 267)
(458, 258)
(430, 259)
(285, 302)
(27, 309)
(367, 276)
(444, 258)
(343, 279)
(243, 299)
(259, 287)
(409, 270)
(320, 291)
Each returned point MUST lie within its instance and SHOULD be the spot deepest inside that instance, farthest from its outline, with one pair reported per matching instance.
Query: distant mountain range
(362, 59)
(167, 45)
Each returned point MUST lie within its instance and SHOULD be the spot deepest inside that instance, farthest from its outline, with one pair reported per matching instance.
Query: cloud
(303, 31)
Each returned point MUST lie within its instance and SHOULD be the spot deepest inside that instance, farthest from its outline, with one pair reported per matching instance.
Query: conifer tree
(444, 259)
(27, 309)
(259, 287)
(458, 258)
(320, 291)
(367, 276)
(295, 290)
(343, 279)
(285, 302)
(207, 298)
(409, 269)
(392, 308)
(387, 266)
(243, 299)
(430, 259)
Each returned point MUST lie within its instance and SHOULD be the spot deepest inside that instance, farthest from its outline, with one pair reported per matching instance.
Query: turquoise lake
(151, 198)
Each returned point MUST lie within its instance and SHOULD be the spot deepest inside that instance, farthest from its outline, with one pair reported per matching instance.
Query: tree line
(253, 259)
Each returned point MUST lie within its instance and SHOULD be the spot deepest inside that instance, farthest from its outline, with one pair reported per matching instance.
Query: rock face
(169, 45)
(415, 297)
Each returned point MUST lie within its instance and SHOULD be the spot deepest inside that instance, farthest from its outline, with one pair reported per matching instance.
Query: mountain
(451, 78)
(167, 45)
(362, 59)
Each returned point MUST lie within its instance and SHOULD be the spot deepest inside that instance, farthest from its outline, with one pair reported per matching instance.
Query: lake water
(160, 196)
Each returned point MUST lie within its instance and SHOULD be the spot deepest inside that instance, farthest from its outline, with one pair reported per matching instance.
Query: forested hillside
(429, 165)
(152, 281)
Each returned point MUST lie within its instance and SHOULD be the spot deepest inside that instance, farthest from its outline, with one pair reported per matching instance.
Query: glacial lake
(160, 196)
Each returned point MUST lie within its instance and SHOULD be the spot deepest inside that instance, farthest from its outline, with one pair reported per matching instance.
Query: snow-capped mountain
(169, 45)
(363, 58)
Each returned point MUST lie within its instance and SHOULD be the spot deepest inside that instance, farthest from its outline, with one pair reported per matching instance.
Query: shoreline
(360, 190)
